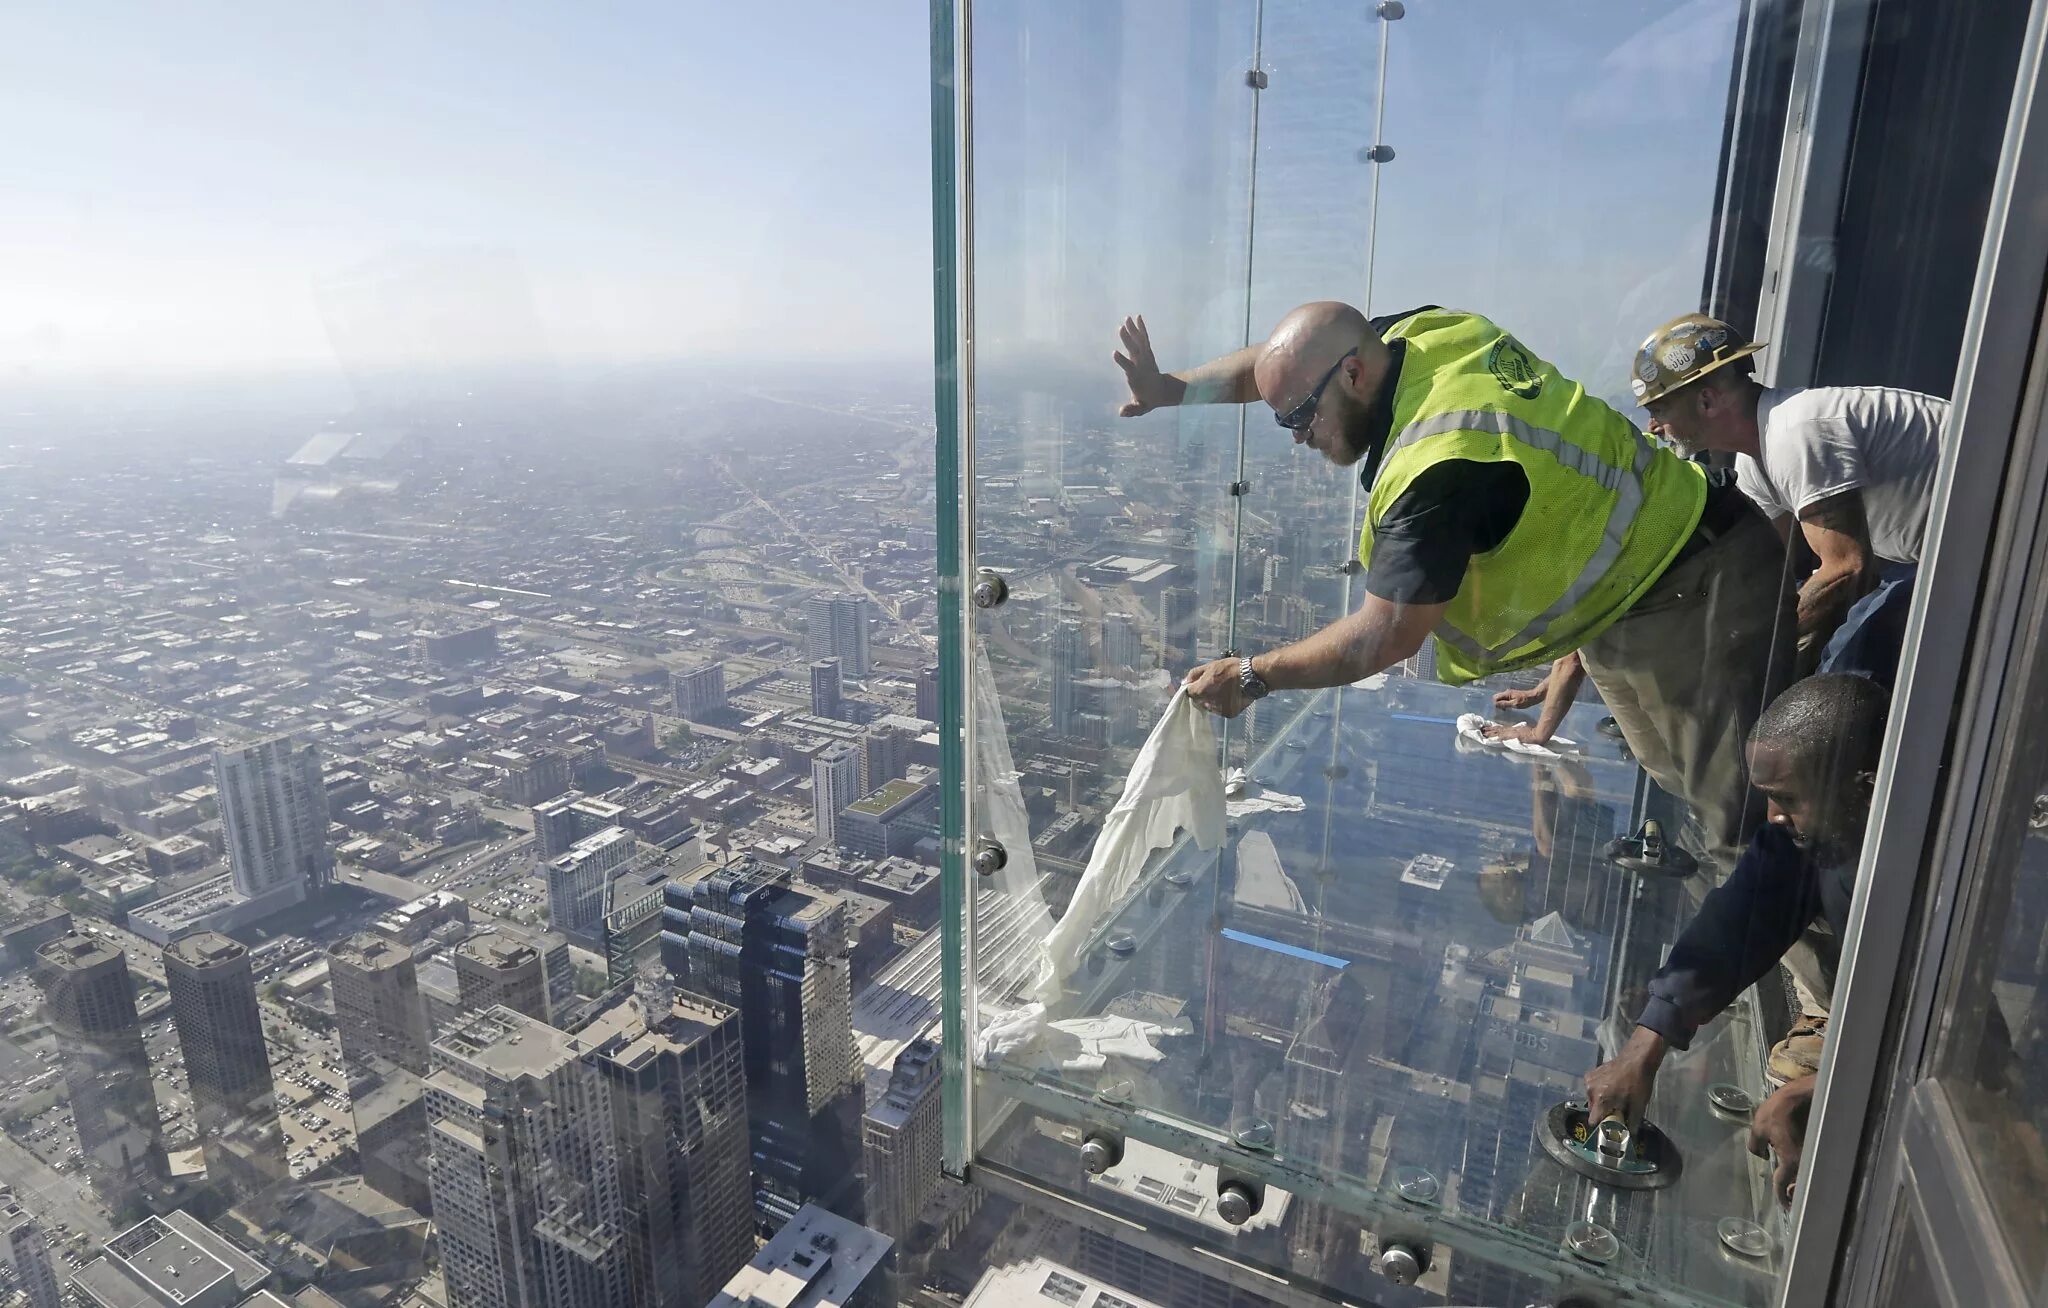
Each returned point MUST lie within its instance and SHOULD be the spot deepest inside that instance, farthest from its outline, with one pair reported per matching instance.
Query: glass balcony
(1347, 1036)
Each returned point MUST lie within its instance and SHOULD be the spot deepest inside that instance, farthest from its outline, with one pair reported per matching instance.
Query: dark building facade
(89, 1001)
(679, 1122)
(781, 956)
(220, 1030)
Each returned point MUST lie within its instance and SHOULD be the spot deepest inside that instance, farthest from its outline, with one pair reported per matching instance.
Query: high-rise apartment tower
(273, 814)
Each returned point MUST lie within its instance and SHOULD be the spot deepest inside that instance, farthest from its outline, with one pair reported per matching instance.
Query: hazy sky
(1554, 168)
(189, 188)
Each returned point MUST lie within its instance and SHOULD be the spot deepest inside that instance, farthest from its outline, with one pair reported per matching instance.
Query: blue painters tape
(1292, 951)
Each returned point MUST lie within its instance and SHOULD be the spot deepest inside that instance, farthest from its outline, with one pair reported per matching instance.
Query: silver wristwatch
(1249, 683)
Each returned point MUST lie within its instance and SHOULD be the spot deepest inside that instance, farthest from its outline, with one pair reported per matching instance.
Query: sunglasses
(1301, 415)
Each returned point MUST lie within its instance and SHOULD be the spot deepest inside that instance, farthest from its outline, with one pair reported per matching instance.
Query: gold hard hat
(1684, 350)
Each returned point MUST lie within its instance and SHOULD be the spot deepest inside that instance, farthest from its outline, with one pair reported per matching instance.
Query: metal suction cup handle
(1611, 1139)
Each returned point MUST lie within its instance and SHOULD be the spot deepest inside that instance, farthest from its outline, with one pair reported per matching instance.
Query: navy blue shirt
(1741, 931)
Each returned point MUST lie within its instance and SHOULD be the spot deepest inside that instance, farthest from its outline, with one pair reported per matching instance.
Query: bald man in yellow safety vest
(1515, 518)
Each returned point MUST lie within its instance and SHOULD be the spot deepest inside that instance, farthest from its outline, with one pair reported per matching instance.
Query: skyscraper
(89, 1001)
(825, 688)
(781, 956)
(522, 1167)
(837, 628)
(835, 783)
(382, 1025)
(902, 1138)
(1282, 574)
(273, 813)
(1297, 616)
(1177, 627)
(377, 1008)
(699, 692)
(493, 970)
(558, 979)
(678, 1084)
(1069, 658)
(227, 1068)
(1120, 642)
(884, 756)
(577, 878)
(560, 822)
(928, 692)
(27, 1251)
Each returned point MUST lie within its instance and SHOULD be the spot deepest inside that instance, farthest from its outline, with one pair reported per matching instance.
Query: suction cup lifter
(1648, 854)
(1607, 1151)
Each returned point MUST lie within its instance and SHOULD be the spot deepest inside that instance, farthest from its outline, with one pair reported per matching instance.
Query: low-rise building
(170, 1261)
(817, 1260)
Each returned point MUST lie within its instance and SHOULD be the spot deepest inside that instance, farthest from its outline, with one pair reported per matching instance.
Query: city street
(52, 1195)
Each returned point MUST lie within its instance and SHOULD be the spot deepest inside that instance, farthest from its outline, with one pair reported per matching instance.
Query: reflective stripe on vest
(1627, 482)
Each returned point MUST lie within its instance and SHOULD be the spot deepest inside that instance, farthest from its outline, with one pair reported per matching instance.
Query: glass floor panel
(1389, 974)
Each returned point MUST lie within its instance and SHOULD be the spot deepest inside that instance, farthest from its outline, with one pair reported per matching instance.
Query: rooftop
(878, 803)
(171, 1259)
(371, 953)
(203, 950)
(593, 844)
(495, 952)
(817, 1260)
(1040, 1282)
(505, 1043)
(1187, 1189)
(77, 952)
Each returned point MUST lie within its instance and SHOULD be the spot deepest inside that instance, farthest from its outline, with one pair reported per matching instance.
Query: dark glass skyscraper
(220, 1029)
(780, 956)
(89, 1001)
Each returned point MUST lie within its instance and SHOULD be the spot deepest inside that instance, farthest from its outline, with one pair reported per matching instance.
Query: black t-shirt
(1452, 511)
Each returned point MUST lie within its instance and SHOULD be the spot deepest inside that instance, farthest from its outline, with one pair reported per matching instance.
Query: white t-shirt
(1822, 440)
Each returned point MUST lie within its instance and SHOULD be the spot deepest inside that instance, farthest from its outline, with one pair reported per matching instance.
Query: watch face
(1249, 682)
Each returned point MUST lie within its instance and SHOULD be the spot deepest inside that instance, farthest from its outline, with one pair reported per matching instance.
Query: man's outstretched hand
(1150, 388)
(1779, 1128)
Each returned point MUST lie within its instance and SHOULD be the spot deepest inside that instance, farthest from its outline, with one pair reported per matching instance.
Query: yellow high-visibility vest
(1608, 507)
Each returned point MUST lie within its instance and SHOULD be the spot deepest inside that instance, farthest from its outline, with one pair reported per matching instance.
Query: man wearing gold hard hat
(1852, 465)
(1514, 518)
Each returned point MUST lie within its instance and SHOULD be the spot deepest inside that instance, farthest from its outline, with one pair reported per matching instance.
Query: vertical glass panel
(1330, 981)
(1908, 1277)
(1325, 1030)
(1993, 1054)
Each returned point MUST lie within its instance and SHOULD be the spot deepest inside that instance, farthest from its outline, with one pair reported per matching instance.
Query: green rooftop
(876, 803)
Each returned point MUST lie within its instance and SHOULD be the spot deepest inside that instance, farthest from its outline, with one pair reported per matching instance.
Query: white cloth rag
(1266, 802)
(1077, 1044)
(1174, 786)
(1472, 737)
